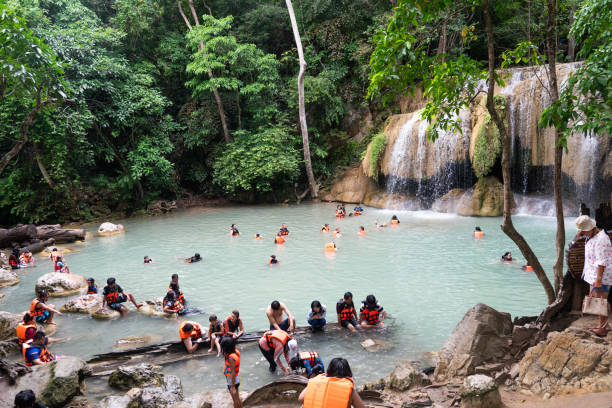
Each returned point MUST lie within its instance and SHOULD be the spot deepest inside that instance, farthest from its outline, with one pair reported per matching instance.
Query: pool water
(426, 273)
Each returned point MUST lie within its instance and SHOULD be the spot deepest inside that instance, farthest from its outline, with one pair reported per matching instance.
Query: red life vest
(279, 335)
(45, 356)
(13, 261)
(228, 368)
(112, 297)
(371, 316)
(34, 311)
(310, 356)
(347, 313)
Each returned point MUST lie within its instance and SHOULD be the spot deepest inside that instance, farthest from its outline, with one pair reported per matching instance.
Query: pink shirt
(279, 350)
(598, 252)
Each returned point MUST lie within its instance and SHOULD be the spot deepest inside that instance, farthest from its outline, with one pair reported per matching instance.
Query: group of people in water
(507, 256)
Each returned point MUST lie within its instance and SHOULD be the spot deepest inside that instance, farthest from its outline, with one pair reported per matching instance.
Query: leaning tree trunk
(41, 166)
(216, 94)
(507, 225)
(314, 188)
(551, 53)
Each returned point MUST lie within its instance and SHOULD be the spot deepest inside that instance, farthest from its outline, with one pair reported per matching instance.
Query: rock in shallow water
(406, 376)
(61, 284)
(143, 375)
(108, 228)
(8, 324)
(8, 277)
(83, 304)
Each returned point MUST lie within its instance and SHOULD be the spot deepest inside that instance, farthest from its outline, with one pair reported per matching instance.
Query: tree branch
(41, 166)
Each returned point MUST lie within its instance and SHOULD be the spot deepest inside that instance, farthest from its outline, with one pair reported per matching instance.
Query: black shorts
(117, 305)
(345, 323)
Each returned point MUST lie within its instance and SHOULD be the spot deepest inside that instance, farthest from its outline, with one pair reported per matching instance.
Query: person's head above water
(174, 277)
(316, 306)
(273, 257)
(393, 218)
(477, 229)
(339, 368)
(90, 281)
(361, 228)
(275, 305)
(371, 300)
(348, 296)
(197, 256)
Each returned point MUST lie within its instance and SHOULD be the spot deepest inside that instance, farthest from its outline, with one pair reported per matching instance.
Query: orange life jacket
(279, 240)
(347, 313)
(394, 222)
(328, 392)
(371, 316)
(478, 234)
(279, 335)
(529, 268)
(330, 247)
(228, 368)
(27, 258)
(177, 306)
(260, 237)
(45, 356)
(195, 334)
(22, 329)
(34, 311)
(311, 356)
(361, 232)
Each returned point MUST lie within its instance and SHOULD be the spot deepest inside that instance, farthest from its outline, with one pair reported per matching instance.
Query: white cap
(293, 348)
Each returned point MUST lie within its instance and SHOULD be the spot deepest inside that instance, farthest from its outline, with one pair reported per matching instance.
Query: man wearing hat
(597, 265)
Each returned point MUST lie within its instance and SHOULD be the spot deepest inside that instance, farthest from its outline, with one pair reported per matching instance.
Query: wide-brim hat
(585, 223)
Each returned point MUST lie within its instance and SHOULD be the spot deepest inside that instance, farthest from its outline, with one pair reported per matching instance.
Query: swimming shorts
(229, 382)
(345, 323)
(283, 326)
(117, 305)
(603, 289)
(43, 317)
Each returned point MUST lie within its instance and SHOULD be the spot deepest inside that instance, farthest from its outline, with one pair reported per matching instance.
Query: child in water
(92, 288)
(273, 260)
(258, 236)
(147, 260)
(234, 231)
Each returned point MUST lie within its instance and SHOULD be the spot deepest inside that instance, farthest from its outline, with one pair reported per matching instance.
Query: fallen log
(61, 235)
(38, 246)
(18, 234)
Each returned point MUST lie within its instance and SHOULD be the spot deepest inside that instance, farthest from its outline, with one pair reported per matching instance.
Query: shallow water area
(427, 273)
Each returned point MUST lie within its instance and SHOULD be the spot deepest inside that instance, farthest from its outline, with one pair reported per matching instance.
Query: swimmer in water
(394, 220)
(273, 260)
(478, 232)
(337, 233)
(507, 257)
(195, 258)
(258, 236)
(361, 231)
(283, 230)
(234, 231)
(325, 228)
(147, 260)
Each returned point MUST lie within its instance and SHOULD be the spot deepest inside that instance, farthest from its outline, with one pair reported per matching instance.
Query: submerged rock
(481, 336)
(143, 375)
(480, 391)
(61, 284)
(8, 277)
(83, 304)
(108, 228)
(55, 383)
(567, 362)
(130, 342)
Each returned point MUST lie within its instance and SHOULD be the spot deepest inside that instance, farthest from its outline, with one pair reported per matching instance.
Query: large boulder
(351, 187)
(166, 395)
(108, 228)
(485, 199)
(449, 202)
(4, 263)
(130, 399)
(55, 383)
(143, 375)
(405, 376)
(568, 362)
(8, 277)
(61, 284)
(481, 336)
(480, 391)
(87, 304)
(8, 324)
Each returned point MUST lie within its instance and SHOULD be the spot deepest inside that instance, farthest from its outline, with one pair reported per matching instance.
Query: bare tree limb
(41, 166)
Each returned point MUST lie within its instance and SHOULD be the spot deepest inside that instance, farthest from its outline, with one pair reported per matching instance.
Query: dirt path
(512, 399)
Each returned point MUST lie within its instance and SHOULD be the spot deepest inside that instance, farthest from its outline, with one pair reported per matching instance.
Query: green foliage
(488, 145)
(379, 143)
(585, 104)
(258, 162)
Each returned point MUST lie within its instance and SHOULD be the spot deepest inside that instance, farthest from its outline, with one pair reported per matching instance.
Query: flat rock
(155, 308)
(8, 277)
(61, 284)
(108, 228)
(62, 249)
(481, 336)
(106, 313)
(8, 324)
(480, 391)
(83, 304)
(143, 375)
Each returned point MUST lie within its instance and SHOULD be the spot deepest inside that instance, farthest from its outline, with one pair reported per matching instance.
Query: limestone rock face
(61, 284)
(143, 375)
(131, 399)
(55, 383)
(166, 395)
(567, 362)
(351, 187)
(481, 336)
(382, 199)
(485, 199)
(449, 202)
(83, 304)
(108, 228)
(8, 277)
(405, 376)
(480, 391)
(8, 324)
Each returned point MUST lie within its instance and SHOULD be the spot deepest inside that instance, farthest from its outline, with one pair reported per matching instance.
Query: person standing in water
(232, 368)
(274, 312)
(283, 230)
(234, 231)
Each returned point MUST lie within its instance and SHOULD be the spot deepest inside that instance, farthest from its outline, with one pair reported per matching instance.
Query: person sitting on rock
(316, 316)
(347, 315)
(26, 329)
(309, 362)
(26, 259)
(35, 351)
(372, 313)
(147, 260)
(233, 325)
(191, 335)
(92, 288)
(27, 399)
(274, 312)
(195, 258)
(114, 297)
(234, 231)
(335, 388)
(171, 303)
(215, 332)
(42, 312)
(60, 265)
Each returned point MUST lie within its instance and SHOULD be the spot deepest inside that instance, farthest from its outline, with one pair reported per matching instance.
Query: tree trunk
(39, 246)
(18, 234)
(216, 94)
(59, 234)
(571, 42)
(551, 53)
(507, 225)
(443, 40)
(23, 132)
(120, 160)
(41, 166)
(314, 188)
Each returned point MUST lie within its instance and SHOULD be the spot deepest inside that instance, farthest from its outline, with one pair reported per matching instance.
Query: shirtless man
(275, 316)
